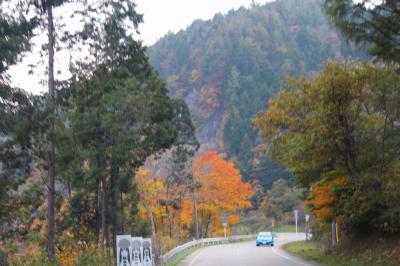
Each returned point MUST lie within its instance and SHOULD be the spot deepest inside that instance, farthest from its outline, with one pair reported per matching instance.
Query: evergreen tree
(42, 13)
(16, 34)
(374, 25)
(16, 115)
(117, 113)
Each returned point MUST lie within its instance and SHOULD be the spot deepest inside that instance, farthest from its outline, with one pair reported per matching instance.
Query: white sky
(160, 17)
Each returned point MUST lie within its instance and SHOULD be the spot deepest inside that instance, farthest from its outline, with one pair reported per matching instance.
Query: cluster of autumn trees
(67, 157)
(213, 184)
(338, 132)
(70, 160)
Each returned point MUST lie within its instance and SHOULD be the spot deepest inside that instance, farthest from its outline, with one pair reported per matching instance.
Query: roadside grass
(288, 229)
(181, 256)
(313, 251)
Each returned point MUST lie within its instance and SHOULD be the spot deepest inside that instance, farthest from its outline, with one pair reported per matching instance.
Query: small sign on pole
(224, 223)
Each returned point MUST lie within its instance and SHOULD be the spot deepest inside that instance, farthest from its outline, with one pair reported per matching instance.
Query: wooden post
(337, 232)
(334, 233)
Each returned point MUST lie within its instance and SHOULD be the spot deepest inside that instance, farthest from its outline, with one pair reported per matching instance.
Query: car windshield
(265, 234)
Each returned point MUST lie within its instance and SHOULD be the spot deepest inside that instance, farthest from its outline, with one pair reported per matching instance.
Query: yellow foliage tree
(151, 191)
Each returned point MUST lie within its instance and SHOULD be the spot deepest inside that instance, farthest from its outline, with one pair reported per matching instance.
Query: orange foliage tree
(222, 191)
(321, 200)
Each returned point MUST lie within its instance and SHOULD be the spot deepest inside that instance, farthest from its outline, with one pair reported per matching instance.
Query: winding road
(247, 254)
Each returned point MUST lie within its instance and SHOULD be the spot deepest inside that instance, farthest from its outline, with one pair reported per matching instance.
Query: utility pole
(195, 202)
(295, 218)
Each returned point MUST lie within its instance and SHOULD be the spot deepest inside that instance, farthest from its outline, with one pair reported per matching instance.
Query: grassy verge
(313, 251)
(288, 229)
(181, 256)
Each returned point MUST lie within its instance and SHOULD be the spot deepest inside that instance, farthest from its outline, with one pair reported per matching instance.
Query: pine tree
(118, 113)
(374, 25)
(44, 15)
(16, 34)
(16, 115)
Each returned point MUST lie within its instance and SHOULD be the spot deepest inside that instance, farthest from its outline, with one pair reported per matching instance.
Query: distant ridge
(226, 68)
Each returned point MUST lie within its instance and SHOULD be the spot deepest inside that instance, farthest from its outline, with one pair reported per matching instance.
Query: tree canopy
(227, 67)
(374, 25)
(344, 123)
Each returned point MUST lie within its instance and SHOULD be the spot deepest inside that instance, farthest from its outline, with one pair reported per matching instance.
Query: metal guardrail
(167, 257)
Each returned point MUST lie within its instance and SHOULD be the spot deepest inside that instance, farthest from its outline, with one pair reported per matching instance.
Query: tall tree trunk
(98, 211)
(207, 223)
(122, 214)
(166, 226)
(104, 231)
(50, 136)
(171, 224)
(151, 218)
(113, 210)
(107, 236)
(196, 221)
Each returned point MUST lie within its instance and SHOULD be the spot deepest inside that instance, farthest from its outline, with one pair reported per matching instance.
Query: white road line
(196, 257)
(288, 258)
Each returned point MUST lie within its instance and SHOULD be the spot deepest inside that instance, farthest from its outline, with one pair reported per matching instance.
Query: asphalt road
(247, 254)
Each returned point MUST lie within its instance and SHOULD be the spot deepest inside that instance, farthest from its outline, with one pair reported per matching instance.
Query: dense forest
(226, 68)
(254, 117)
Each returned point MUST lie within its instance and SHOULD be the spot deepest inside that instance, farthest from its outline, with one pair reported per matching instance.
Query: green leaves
(117, 113)
(15, 40)
(345, 120)
(371, 24)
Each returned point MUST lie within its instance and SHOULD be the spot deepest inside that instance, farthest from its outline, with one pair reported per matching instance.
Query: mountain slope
(227, 68)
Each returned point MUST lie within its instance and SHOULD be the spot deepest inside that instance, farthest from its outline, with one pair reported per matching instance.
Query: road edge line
(196, 257)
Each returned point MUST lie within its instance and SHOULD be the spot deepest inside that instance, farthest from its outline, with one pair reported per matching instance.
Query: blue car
(265, 238)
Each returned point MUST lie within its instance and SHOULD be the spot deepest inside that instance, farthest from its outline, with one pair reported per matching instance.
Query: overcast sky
(160, 17)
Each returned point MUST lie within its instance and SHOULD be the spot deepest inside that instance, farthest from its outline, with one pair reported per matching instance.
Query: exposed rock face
(227, 68)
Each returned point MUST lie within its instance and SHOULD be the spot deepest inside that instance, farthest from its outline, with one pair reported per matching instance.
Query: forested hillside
(227, 68)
